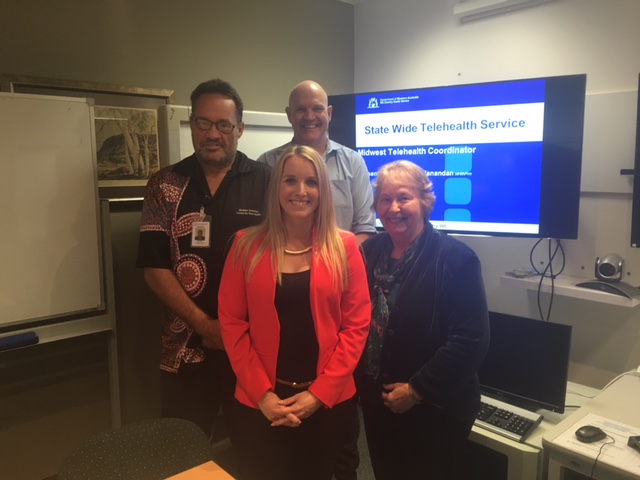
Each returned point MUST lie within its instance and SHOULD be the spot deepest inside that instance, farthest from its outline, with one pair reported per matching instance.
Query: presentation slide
(469, 141)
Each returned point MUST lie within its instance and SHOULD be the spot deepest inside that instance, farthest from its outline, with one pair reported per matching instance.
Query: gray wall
(51, 397)
(262, 47)
(413, 43)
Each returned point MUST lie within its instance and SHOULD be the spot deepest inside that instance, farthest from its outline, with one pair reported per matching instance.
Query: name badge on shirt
(201, 233)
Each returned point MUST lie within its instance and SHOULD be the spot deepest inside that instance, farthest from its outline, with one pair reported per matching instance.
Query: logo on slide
(373, 102)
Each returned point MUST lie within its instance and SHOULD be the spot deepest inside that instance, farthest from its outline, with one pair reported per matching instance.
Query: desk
(619, 403)
(206, 471)
(525, 461)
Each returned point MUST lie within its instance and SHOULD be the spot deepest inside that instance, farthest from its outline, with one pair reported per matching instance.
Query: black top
(298, 353)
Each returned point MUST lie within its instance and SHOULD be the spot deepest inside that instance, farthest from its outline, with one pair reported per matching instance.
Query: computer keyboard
(505, 419)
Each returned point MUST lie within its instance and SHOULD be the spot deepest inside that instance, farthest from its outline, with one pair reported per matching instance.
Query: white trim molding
(469, 10)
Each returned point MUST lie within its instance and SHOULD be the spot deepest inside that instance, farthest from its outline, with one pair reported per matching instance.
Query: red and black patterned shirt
(173, 200)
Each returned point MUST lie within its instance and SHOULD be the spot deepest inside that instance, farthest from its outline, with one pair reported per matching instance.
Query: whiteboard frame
(80, 323)
(100, 322)
(102, 94)
(14, 326)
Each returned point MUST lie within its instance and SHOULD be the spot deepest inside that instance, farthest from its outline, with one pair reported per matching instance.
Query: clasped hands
(288, 412)
(397, 397)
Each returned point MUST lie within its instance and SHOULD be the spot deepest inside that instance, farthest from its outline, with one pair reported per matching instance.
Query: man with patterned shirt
(191, 210)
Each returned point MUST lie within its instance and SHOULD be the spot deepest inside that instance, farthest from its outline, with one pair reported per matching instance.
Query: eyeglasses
(205, 125)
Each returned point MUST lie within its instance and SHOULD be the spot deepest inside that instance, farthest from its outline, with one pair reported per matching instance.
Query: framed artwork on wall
(126, 145)
(126, 128)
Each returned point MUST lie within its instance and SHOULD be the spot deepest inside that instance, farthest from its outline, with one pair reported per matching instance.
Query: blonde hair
(406, 173)
(270, 233)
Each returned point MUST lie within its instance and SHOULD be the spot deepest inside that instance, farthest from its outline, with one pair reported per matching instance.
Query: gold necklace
(298, 252)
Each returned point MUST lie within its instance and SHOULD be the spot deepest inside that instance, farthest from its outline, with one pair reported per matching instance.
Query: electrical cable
(593, 467)
(548, 272)
(574, 392)
(633, 373)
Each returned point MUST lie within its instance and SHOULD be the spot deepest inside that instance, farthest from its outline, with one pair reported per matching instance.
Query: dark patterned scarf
(387, 277)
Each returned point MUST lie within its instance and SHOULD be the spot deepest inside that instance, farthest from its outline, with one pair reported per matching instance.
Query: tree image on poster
(127, 145)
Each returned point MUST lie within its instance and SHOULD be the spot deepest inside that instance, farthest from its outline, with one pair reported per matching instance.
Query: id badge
(201, 233)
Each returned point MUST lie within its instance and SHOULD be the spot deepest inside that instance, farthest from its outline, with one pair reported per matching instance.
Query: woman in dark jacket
(429, 332)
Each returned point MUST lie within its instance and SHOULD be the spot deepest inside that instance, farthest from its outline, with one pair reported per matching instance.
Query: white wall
(417, 43)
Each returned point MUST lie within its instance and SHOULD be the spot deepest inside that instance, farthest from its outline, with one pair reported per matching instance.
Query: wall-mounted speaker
(609, 268)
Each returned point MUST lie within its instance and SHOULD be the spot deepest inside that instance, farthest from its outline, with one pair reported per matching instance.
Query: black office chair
(146, 450)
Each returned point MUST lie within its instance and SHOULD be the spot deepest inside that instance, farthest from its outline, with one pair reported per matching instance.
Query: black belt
(296, 385)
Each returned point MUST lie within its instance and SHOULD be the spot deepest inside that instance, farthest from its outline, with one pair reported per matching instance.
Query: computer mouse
(590, 434)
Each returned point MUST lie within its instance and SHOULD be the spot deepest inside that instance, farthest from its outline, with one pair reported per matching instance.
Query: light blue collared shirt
(350, 185)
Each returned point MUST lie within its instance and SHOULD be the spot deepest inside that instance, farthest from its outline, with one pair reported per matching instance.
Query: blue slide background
(507, 93)
(505, 181)
(505, 178)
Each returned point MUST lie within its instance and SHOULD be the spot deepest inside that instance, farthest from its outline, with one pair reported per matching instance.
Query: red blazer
(251, 330)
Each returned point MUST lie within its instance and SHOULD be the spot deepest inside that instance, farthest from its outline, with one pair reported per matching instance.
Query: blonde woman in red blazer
(294, 310)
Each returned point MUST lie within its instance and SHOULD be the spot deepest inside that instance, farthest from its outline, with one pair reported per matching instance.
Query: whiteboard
(50, 235)
(262, 131)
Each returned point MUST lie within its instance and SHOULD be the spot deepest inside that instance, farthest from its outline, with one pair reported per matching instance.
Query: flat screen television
(505, 157)
(635, 215)
(527, 363)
